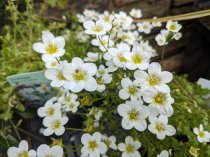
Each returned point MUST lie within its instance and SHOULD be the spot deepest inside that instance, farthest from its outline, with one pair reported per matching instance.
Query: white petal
(123, 94)
(125, 82)
(23, 145)
(43, 150)
(85, 138)
(57, 151)
(39, 47)
(60, 42)
(166, 76)
(126, 124)
(128, 139)
(12, 152)
(90, 68)
(48, 132)
(60, 131)
(123, 109)
(91, 84)
(140, 125)
(88, 24)
(154, 68)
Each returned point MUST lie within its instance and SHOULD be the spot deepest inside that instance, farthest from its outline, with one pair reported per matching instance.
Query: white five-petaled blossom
(128, 37)
(71, 106)
(21, 151)
(96, 28)
(57, 76)
(67, 97)
(159, 126)
(159, 102)
(177, 36)
(110, 141)
(106, 17)
(130, 147)
(51, 46)
(129, 90)
(55, 125)
(118, 55)
(194, 151)
(161, 40)
(144, 27)
(154, 78)
(173, 26)
(202, 136)
(164, 153)
(103, 42)
(156, 23)
(136, 13)
(80, 75)
(134, 115)
(45, 151)
(93, 146)
(50, 61)
(124, 20)
(137, 58)
(49, 109)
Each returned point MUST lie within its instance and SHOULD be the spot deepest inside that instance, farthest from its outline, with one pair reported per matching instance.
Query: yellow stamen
(130, 148)
(133, 114)
(136, 58)
(92, 145)
(160, 127)
(51, 49)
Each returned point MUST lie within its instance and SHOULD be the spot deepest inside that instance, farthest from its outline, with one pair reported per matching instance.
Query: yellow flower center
(50, 111)
(130, 148)
(56, 124)
(172, 27)
(124, 36)
(97, 28)
(121, 58)
(133, 114)
(51, 49)
(160, 127)
(53, 64)
(160, 98)
(71, 106)
(67, 99)
(43, 87)
(201, 133)
(136, 58)
(101, 71)
(92, 145)
(145, 26)
(154, 80)
(23, 154)
(106, 18)
(60, 76)
(132, 90)
(99, 81)
(79, 75)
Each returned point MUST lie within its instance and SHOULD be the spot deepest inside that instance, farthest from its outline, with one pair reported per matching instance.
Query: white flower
(194, 151)
(45, 151)
(81, 18)
(177, 36)
(128, 37)
(130, 90)
(21, 150)
(82, 37)
(145, 27)
(57, 75)
(148, 48)
(51, 46)
(103, 42)
(134, 115)
(110, 141)
(161, 40)
(93, 147)
(159, 126)
(91, 57)
(136, 13)
(49, 109)
(164, 153)
(101, 81)
(137, 58)
(67, 97)
(156, 23)
(90, 14)
(130, 147)
(154, 78)
(159, 102)
(106, 17)
(102, 71)
(98, 114)
(80, 75)
(54, 125)
(50, 61)
(173, 26)
(72, 106)
(124, 20)
(202, 136)
(98, 28)
(118, 55)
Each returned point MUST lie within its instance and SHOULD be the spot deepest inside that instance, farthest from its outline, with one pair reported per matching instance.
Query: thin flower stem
(75, 129)
(102, 43)
(15, 129)
(31, 135)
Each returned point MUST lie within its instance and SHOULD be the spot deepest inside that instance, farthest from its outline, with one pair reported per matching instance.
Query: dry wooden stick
(181, 17)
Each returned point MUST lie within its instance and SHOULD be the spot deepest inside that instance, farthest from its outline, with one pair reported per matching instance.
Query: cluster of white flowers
(42, 151)
(172, 32)
(54, 112)
(119, 49)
